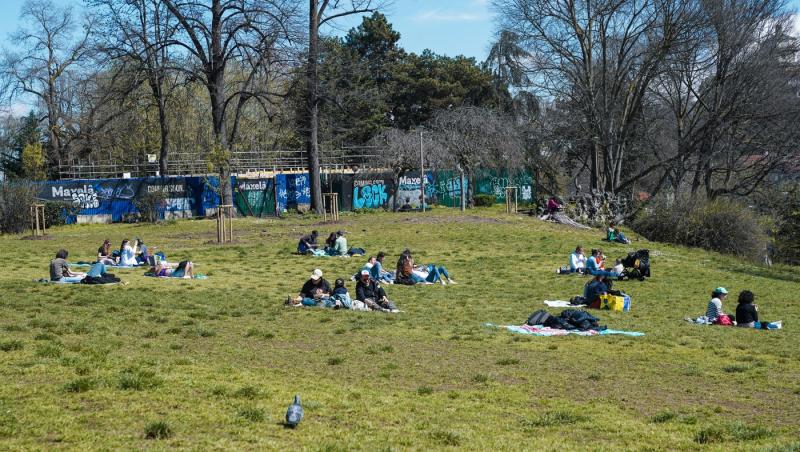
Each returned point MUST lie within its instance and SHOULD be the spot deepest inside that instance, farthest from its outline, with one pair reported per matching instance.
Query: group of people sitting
(60, 272)
(746, 312)
(370, 296)
(335, 245)
(594, 265)
(126, 256)
(406, 272)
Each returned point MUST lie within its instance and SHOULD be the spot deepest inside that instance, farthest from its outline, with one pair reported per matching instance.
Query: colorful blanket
(541, 330)
(199, 276)
(89, 264)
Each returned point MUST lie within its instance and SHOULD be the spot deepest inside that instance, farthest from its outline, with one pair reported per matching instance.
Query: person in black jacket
(747, 312)
(372, 294)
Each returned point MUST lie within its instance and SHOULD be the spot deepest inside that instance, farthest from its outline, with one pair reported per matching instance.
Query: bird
(295, 413)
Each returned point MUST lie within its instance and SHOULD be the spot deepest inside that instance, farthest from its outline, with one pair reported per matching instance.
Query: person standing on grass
(59, 269)
(714, 310)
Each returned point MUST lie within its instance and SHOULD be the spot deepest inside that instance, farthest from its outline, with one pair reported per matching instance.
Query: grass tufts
(11, 345)
(82, 384)
(556, 418)
(252, 414)
(157, 430)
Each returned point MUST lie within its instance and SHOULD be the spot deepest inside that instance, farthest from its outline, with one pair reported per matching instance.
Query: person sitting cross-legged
(373, 295)
(377, 273)
(59, 269)
(314, 291)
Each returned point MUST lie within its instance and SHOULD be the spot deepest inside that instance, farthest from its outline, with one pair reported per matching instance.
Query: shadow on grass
(767, 273)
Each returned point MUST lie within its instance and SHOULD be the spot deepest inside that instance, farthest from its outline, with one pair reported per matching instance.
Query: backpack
(538, 318)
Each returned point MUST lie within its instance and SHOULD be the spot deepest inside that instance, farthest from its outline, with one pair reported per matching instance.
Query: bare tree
(250, 38)
(602, 56)
(471, 137)
(398, 150)
(52, 48)
(136, 34)
(323, 12)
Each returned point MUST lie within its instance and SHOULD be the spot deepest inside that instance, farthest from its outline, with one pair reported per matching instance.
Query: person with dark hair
(143, 252)
(59, 269)
(594, 265)
(185, 269)
(577, 262)
(599, 285)
(104, 254)
(330, 242)
(405, 270)
(377, 272)
(714, 310)
(127, 254)
(340, 245)
(407, 207)
(340, 298)
(747, 313)
(615, 235)
(308, 243)
(373, 295)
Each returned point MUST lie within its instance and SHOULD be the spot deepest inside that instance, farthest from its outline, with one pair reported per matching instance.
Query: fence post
(225, 228)
(330, 200)
(37, 220)
(511, 205)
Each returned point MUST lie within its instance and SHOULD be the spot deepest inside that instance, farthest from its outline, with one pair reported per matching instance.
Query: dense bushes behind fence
(16, 199)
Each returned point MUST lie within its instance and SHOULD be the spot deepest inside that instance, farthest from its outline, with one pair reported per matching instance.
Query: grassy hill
(219, 360)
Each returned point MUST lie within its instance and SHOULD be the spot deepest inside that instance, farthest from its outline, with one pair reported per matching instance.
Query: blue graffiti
(369, 196)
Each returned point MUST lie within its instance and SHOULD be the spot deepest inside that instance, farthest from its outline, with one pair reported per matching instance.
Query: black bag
(107, 278)
(538, 318)
(357, 251)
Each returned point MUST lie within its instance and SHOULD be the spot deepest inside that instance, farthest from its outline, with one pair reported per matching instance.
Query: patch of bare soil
(40, 237)
(466, 219)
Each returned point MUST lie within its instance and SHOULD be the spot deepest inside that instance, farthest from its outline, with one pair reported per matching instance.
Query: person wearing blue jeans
(593, 265)
(438, 274)
(377, 273)
(60, 272)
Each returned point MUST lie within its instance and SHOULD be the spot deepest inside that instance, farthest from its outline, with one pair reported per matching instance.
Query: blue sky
(450, 27)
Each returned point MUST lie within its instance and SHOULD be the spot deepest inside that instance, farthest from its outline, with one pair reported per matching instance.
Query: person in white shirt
(577, 261)
(127, 254)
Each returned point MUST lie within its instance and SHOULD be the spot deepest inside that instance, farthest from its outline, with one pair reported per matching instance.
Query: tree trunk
(312, 145)
(594, 158)
(463, 193)
(162, 154)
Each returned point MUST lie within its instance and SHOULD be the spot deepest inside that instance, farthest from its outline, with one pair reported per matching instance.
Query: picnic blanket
(198, 276)
(703, 320)
(562, 304)
(89, 264)
(541, 330)
(59, 283)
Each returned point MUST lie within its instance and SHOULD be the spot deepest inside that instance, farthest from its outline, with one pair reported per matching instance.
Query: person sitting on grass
(340, 297)
(185, 269)
(127, 254)
(405, 270)
(747, 313)
(377, 272)
(330, 243)
(615, 235)
(314, 291)
(373, 295)
(59, 269)
(340, 245)
(144, 252)
(714, 310)
(367, 266)
(577, 262)
(594, 265)
(308, 243)
(104, 254)
(599, 285)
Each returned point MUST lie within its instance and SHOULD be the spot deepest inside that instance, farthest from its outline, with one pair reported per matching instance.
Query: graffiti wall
(255, 197)
(294, 191)
(372, 193)
(489, 182)
(107, 200)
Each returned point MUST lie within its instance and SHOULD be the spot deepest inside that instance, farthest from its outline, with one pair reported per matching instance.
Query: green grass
(213, 364)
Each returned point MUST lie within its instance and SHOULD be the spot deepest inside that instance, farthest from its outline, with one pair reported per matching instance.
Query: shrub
(150, 205)
(56, 213)
(720, 225)
(16, 199)
(485, 200)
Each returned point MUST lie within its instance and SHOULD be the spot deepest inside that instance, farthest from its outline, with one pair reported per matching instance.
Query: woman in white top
(127, 254)
(577, 260)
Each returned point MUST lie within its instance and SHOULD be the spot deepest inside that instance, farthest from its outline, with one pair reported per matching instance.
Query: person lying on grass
(432, 273)
(308, 243)
(104, 254)
(314, 291)
(372, 294)
(185, 269)
(59, 269)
